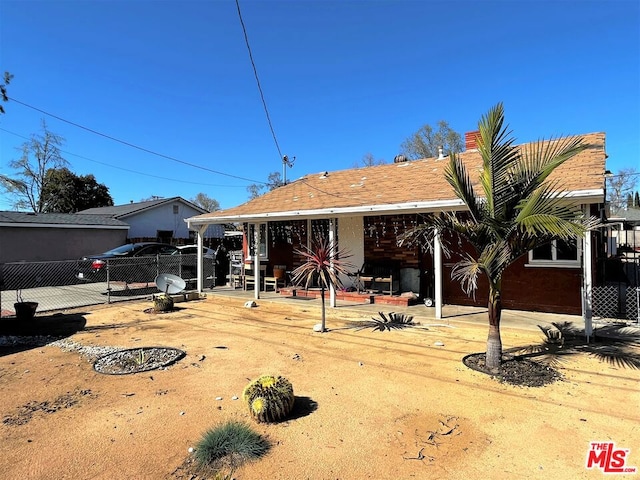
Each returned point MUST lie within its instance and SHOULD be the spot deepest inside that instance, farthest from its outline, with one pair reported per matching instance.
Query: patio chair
(250, 278)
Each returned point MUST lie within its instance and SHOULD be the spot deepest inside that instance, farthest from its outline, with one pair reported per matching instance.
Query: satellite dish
(168, 283)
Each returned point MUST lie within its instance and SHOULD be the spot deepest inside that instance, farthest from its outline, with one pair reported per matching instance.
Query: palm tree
(325, 263)
(517, 211)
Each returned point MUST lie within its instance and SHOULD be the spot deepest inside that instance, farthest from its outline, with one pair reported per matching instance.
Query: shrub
(269, 398)
(230, 444)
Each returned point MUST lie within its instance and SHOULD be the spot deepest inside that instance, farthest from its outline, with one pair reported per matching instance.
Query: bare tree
(426, 142)
(619, 187)
(205, 201)
(39, 154)
(368, 160)
(274, 180)
(3, 89)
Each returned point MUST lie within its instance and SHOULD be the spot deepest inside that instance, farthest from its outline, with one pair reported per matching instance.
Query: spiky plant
(163, 303)
(324, 263)
(269, 398)
(229, 445)
(516, 210)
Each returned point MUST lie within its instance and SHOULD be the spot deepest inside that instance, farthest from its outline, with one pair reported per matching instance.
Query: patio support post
(199, 276)
(256, 260)
(332, 238)
(587, 286)
(437, 275)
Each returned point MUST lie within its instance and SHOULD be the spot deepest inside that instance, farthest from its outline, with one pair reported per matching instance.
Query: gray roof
(59, 219)
(118, 211)
(629, 215)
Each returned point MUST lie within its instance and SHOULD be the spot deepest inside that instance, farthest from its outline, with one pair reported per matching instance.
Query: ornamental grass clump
(269, 398)
(229, 445)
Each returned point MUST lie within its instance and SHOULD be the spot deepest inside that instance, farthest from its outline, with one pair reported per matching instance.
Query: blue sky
(340, 78)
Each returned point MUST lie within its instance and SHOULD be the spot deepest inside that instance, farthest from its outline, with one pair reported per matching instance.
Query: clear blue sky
(340, 78)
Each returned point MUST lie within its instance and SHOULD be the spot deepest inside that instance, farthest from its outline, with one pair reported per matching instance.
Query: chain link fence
(76, 283)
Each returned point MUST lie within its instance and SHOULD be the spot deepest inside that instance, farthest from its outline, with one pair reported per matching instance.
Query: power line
(255, 72)
(128, 169)
(146, 150)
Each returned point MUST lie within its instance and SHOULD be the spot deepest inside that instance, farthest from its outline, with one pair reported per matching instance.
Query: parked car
(193, 249)
(133, 262)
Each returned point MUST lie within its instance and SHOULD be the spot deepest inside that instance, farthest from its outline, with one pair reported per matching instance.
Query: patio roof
(409, 187)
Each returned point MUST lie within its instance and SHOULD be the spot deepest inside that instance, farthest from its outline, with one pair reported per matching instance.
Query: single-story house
(34, 237)
(366, 209)
(159, 220)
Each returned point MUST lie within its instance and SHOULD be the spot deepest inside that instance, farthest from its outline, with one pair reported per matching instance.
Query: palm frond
(456, 174)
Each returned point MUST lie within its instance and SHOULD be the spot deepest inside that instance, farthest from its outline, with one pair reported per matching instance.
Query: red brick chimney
(471, 140)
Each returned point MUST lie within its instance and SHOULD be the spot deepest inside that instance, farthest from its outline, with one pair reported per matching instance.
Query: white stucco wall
(351, 238)
(147, 223)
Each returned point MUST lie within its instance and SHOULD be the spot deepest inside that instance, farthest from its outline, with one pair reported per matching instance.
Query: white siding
(162, 217)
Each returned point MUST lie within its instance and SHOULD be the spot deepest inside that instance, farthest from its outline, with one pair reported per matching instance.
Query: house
(33, 237)
(366, 209)
(160, 220)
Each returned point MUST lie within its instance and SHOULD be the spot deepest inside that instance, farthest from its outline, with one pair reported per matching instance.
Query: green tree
(427, 141)
(205, 201)
(3, 89)
(66, 192)
(324, 263)
(516, 210)
(39, 154)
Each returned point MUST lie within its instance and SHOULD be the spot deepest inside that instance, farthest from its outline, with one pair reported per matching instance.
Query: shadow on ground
(17, 336)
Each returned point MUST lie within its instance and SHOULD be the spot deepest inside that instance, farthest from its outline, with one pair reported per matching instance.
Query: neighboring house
(56, 236)
(366, 209)
(159, 220)
(617, 288)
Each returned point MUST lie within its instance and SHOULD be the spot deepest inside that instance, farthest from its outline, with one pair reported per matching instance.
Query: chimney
(471, 140)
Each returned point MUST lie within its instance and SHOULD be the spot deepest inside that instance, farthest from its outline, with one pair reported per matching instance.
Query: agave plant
(325, 263)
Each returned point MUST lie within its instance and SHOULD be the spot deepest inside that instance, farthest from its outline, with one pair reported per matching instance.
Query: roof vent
(440, 153)
(399, 159)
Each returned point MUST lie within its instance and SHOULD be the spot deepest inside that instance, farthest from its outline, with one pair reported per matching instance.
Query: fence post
(108, 284)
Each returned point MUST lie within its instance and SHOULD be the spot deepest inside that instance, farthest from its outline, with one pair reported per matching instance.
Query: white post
(437, 273)
(200, 260)
(587, 287)
(256, 260)
(332, 238)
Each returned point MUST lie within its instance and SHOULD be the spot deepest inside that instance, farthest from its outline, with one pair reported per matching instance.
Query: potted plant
(25, 311)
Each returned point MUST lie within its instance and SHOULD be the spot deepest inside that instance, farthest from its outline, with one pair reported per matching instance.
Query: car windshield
(122, 250)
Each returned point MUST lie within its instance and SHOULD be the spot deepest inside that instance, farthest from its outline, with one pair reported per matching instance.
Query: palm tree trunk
(494, 343)
(322, 296)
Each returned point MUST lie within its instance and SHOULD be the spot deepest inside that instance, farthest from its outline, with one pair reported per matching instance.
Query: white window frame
(554, 262)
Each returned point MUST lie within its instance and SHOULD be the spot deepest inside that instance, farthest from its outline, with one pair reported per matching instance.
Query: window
(557, 253)
(176, 209)
(262, 250)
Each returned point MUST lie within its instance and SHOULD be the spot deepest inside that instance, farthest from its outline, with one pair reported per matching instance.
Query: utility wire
(128, 169)
(255, 72)
(146, 150)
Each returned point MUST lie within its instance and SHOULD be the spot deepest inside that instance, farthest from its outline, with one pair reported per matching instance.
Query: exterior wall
(146, 224)
(351, 239)
(33, 244)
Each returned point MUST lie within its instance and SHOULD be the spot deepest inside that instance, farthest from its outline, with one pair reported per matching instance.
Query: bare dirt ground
(369, 405)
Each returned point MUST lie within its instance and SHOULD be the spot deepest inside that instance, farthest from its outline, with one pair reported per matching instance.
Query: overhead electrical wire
(130, 170)
(255, 73)
(129, 144)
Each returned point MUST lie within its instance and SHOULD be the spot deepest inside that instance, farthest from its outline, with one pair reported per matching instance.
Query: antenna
(168, 283)
(286, 163)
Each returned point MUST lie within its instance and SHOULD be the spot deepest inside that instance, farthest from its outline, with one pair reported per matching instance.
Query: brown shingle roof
(410, 186)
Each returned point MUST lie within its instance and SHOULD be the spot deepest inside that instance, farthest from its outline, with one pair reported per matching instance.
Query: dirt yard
(369, 404)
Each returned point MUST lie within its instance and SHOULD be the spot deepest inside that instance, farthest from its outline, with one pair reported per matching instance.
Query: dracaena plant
(324, 263)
